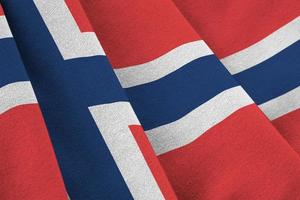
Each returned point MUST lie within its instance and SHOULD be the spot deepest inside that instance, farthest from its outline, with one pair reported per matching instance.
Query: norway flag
(149, 100)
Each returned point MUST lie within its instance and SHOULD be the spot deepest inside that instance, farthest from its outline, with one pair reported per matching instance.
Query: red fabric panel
(28, 168)
(240, 158)
(152, 162)
(1, 11)
(289, 126)
(229, 26)
(79, 15)
(134, 32)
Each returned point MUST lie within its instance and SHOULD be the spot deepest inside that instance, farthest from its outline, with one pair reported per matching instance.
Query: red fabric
(231, 25)
(79, 15)
(28, 168)
(240, 158)
(1, 11)
(289, 126)
(136, 32)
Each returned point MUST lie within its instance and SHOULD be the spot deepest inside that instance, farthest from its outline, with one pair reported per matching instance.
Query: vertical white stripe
(71, 42)
(113, 120)
(4, 28)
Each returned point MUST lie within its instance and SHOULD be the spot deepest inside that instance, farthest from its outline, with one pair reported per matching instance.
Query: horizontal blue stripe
(273, 77)
(11, 66)
(173, 96)
(65, 90)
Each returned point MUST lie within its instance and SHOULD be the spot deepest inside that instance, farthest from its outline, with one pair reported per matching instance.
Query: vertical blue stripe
(64, 90)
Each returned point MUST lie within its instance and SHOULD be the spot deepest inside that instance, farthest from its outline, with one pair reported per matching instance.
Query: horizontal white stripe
(163, 65)
(188, 128)
(113, 120)
(264, 49)
(282, 105)
(4, 28)
(71, 42)
(15, 94)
